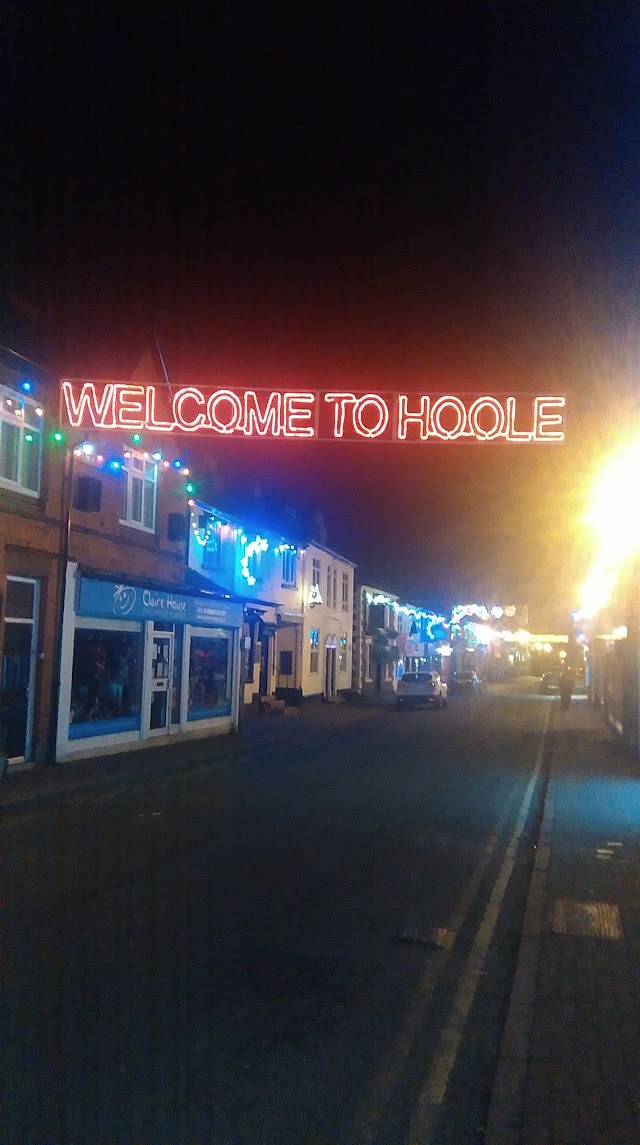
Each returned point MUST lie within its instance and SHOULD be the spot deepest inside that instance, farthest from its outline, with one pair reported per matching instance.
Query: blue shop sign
(129, 602)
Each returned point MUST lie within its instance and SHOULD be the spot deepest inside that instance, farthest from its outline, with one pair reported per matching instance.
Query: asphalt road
(311, 945)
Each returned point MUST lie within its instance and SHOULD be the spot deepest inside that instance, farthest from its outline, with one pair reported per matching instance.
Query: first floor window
(345, 592)
(314, 654)
(315, 572)
(209, 676)
(106, 682)
(342, 654)
(212, 555)
(289, 566)
(139, 495)
(329, 585)
(20, 442)
(335, 587)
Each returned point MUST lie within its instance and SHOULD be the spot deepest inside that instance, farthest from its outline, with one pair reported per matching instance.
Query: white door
(159, 693)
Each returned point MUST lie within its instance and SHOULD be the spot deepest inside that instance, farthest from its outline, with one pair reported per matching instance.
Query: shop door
(329, 673)
(161, 650)
(18, 667)
(263, 686)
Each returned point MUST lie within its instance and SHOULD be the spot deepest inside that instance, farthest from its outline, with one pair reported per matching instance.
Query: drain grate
(586, 919)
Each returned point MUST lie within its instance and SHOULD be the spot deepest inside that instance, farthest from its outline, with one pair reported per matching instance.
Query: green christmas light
(190, 488)
(58, 437)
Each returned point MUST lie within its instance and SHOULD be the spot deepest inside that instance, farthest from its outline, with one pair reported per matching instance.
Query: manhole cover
(586, 919)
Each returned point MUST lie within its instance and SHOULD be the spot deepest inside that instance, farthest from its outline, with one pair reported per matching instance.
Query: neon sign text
(324, 416)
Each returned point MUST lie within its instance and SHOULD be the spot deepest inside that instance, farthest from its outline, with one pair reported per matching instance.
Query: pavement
(569, 1068)
(49, 782)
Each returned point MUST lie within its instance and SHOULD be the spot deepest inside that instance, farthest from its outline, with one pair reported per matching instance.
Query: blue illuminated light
(27, 387)
(177, 463)
(115, 464)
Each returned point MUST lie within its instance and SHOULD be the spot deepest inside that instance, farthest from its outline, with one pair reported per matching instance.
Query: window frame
(130, 475)
(23, 423)
(345, 592)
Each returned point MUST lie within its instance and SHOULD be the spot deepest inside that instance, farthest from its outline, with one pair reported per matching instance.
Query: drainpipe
(65, 533)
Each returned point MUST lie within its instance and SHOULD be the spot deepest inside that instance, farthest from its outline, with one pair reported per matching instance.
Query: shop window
(87, 497)
(139, 495)
(314, 654)
(289, 567)
(20, 442)
(286, 663)
(209, 677)
(106, 682)
(345, 592)
(342, 654)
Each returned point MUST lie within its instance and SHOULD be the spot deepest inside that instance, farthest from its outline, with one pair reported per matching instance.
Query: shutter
(87, 496)
(177, 527)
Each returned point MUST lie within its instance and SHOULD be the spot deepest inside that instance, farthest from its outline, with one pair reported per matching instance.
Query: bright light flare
(615, 526)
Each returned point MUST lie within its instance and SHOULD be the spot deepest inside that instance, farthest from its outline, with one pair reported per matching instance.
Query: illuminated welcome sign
(324, 416)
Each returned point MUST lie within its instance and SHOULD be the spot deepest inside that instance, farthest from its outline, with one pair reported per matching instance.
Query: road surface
(310, 945)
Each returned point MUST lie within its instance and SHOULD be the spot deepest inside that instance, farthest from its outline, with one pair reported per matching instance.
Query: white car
(421, 688)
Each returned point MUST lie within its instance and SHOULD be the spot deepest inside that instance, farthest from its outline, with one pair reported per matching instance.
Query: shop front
(140, 662)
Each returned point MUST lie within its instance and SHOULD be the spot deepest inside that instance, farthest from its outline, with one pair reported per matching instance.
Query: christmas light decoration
(333, 415)
(314, 596)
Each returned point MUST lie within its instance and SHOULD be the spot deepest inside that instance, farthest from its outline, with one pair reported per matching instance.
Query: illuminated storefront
(142, 661)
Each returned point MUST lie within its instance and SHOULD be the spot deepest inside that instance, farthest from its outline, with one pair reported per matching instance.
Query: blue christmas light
(115, 464)
(177, 463)
(26, 386)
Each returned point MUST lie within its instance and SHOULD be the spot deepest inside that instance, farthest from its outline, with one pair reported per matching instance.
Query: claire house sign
(328, 415)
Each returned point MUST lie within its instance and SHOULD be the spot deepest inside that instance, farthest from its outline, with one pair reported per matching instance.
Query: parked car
(421, 688)
(550, 682)
(465, 682)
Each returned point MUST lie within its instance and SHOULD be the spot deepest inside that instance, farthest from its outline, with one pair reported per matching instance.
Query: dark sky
(382, 195)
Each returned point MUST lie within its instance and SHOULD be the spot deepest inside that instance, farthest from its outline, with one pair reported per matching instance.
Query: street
(313, 944)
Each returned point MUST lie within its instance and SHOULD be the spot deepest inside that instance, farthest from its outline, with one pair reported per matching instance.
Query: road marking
(586, 919)
(366, 1126)
(435, 1085)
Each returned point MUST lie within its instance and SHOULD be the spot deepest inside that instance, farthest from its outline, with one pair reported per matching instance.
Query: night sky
(372, 196)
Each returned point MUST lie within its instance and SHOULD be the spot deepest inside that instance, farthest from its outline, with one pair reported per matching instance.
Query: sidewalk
(569, 1072)
(51, 782)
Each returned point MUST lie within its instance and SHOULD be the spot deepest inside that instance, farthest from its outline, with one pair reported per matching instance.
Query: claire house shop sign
(327, 415)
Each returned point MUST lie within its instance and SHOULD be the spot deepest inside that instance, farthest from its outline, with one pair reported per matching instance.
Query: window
(286, 663)
(20, 442)
(328, 597)
(289, 566)
(315, 573)
(345, 592)
(139, 499)
(209, 676)
(369, 665)
(314, 655)
(106, 682)
(212, 555)
(335, 587)
(342, 653)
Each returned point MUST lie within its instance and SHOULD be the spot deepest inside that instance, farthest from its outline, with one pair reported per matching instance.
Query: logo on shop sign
(124, 599)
